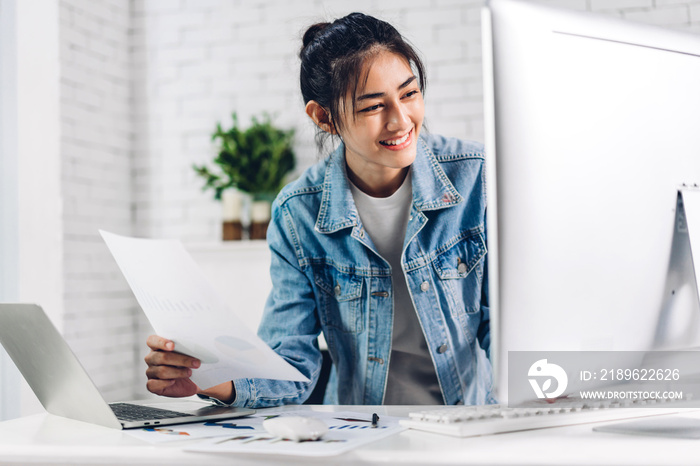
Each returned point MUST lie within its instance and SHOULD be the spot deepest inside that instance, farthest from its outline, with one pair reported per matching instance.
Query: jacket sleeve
(484, 332)
(289, 325)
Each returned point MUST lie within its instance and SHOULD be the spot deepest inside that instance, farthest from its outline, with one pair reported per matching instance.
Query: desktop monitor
(592, 125)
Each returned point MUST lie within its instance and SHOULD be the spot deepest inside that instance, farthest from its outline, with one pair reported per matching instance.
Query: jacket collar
(432, 190)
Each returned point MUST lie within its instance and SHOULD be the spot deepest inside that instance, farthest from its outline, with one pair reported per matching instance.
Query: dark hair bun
(313, 32)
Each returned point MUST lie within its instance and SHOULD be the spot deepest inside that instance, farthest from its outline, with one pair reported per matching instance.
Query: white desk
(47, 439)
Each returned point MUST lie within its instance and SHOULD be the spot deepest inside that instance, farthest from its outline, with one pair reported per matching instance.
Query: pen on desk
(375, 420)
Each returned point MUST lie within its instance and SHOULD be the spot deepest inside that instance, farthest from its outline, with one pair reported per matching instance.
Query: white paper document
(182, 306)
(346, 431)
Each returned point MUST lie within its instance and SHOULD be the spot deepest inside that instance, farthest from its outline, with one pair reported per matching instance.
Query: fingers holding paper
(169, 372)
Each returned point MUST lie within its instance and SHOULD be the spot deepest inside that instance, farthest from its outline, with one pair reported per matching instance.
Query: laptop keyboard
(131, 412)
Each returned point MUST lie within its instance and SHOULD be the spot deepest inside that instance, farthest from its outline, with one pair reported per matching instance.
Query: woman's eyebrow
(382, 94)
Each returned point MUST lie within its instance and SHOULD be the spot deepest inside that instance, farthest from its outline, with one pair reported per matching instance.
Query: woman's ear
(320, 116)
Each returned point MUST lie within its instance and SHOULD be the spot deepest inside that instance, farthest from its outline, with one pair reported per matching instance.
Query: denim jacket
(327, 276)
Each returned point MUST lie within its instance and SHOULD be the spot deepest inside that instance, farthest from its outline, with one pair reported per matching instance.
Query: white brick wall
(96, 146)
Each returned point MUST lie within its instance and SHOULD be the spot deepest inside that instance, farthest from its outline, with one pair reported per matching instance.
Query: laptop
(64, 388)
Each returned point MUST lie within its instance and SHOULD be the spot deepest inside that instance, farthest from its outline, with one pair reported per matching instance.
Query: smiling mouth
(396, 142)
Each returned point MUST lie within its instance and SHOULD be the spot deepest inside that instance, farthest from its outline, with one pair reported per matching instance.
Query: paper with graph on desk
(182, 306)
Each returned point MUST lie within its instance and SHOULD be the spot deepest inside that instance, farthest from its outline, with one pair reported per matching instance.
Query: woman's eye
(369, 109)
(411, 93)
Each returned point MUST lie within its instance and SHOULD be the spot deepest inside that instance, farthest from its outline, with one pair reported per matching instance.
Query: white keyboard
(467, 421)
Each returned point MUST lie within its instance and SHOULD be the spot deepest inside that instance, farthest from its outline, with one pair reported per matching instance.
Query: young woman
(381, 246)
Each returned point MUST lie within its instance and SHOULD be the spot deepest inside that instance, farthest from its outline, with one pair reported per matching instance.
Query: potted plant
(256, 161)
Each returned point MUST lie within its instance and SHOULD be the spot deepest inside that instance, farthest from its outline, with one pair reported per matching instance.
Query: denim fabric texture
(327, 276)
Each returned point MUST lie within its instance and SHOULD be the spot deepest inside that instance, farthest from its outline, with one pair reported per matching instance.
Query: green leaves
(256, 160)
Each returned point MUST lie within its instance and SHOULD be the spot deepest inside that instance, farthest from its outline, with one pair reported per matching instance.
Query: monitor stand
(679, 318)
(681, 291)
(672, 427)
(690, 199)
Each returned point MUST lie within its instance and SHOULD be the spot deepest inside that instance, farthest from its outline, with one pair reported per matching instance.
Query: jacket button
(462, 267)
(425, 286)
(442, 349)
(337, 290)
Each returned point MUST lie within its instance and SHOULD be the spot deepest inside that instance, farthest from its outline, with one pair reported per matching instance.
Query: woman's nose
(398, 119)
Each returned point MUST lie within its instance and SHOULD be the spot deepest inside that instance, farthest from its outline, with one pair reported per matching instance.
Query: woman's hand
(169, 372)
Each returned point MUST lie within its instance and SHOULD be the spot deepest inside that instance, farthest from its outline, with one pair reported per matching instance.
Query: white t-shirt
(412, 378)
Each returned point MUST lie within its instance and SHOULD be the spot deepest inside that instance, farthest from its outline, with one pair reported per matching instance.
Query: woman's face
(381, 137)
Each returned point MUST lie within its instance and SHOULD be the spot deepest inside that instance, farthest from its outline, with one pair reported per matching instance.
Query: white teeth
(396, 142)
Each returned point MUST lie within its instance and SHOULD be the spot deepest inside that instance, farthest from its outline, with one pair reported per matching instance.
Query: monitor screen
(592, 125)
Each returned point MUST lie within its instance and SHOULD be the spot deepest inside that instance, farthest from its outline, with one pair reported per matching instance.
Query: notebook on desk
(65, 389)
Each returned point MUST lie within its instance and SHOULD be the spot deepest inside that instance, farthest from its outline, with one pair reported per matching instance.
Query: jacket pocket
(340, 299)
(460, 272)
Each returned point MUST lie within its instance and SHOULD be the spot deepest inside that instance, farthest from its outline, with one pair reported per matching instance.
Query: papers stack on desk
(347, 430)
